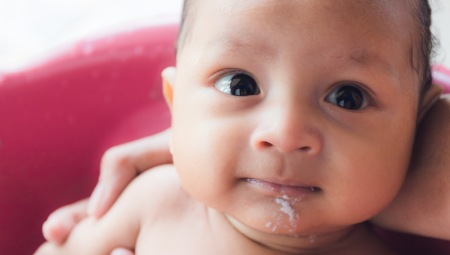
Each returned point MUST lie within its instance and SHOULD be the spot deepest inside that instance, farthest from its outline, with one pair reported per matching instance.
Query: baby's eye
(238, 85)
(348, 97)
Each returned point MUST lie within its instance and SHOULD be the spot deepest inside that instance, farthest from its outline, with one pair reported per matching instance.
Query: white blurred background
(30, 29)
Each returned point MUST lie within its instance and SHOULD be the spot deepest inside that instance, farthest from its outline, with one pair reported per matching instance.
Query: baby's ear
(168, 76)
(431, 96)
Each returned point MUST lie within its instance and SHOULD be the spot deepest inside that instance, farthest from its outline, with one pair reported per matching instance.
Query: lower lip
(281, 189)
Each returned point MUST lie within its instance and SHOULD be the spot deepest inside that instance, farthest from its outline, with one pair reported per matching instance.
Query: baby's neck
(345, 241)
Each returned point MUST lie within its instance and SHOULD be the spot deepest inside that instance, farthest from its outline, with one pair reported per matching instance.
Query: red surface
(58, 118)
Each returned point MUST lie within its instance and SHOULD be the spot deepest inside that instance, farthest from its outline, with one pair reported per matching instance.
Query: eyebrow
(261, 50)
(366, 57)
(360, 56)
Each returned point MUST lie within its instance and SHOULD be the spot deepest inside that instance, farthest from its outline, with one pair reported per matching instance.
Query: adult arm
(422, 206)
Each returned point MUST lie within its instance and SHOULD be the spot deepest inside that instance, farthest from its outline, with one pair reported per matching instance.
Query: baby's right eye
(348, 97)
(238, 85)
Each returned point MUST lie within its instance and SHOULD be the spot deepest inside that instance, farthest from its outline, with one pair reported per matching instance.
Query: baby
(293, 122)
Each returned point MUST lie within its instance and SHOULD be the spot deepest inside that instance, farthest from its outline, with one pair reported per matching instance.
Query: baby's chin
(291, 235)
(285, 218)
(281, 232)
(276, 215)
(281, 219)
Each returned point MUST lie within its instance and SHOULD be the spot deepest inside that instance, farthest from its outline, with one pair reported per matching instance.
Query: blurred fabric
(32, 29)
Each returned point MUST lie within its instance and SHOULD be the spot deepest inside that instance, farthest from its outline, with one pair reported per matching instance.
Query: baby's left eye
(238, 85)
(348, 97)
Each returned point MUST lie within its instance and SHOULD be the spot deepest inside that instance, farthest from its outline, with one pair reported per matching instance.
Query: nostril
(266, 144)
(305, 148)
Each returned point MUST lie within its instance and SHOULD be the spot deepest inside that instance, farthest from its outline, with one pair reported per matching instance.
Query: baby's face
(294, 117)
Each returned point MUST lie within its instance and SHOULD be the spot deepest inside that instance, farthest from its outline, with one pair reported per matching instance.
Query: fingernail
(120, 251)
(53, 221)
(96, 198)
(52, 217)
(68, 224)
(47, 229)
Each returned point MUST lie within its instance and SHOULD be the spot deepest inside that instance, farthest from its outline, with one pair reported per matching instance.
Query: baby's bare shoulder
(157, 179)
(158, 193)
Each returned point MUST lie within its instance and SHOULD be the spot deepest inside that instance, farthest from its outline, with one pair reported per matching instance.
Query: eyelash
(222, 74)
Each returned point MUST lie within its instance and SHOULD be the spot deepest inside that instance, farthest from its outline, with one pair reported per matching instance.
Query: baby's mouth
(283, 190)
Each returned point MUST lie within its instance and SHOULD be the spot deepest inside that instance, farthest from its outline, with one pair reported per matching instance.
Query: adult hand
(122, 163)
(119, 166)
(60, 223)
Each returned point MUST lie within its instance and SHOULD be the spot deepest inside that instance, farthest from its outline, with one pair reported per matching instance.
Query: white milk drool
(286, 208)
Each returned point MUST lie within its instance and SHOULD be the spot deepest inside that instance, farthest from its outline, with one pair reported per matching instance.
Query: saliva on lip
(312, 238)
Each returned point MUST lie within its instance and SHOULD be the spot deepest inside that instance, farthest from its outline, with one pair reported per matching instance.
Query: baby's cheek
(202, 166)
(368, 199)
(208, 151)
(371, 179)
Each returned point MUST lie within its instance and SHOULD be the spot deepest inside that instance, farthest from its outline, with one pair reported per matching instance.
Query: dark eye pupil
(243, 85)
(349, 97)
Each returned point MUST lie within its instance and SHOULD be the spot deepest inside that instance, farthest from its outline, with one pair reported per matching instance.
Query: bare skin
(332, 161)
(420, 184)
(183, 226)
(427, 182)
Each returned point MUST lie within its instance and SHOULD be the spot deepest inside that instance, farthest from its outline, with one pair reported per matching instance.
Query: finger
(121, 164)
(121, 251)
(61, 222)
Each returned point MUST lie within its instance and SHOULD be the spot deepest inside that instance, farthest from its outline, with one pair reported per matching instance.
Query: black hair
(425, 44)
(183, 31)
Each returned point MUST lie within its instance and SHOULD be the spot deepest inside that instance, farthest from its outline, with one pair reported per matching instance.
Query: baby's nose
(289, 128)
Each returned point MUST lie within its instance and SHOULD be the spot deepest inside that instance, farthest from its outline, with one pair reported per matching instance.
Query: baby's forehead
(390, 16)
(343, 31)
(223, 27)
(368, 17)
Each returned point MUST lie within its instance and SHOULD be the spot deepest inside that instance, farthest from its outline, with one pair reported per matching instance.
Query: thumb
(61, 222)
